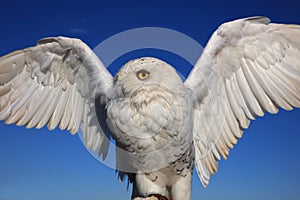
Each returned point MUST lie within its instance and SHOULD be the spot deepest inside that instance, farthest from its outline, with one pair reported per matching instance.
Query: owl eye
(142, 74)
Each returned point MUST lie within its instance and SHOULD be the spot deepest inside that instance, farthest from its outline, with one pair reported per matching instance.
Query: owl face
(146, 72)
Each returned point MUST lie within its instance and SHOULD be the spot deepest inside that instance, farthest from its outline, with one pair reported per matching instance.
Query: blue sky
(44, 165)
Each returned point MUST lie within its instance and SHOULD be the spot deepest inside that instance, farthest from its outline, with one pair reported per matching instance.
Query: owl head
(146, 74)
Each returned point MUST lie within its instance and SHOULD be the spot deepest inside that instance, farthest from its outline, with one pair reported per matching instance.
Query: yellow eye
(142, 74)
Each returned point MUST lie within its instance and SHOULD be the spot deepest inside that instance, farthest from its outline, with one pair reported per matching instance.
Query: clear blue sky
(44, 165)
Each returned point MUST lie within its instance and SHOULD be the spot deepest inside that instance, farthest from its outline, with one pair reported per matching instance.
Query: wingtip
(46, 40)
(51, 39)
(259, 19)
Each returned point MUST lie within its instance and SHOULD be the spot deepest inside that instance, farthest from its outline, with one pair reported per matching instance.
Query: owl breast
(153, 125)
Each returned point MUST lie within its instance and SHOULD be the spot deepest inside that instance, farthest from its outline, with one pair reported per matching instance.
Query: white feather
(256, 69)
(39, 85)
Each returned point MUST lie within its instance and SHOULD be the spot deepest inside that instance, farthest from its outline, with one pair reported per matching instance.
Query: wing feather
(5, 89)
(259, 93)
(53, 99)
(85, 124)
(234, 103)
(59, 110)
(249, 67)
(240, 97)
(80, 107)
(32, 105)
(55, 83)
(71, 109)
(38, 116)
(269, 87)
(18, 111)
(36, 106)
(67, 110)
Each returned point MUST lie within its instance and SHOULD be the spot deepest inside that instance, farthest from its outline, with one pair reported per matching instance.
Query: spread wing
(249, 67)
(59, 82)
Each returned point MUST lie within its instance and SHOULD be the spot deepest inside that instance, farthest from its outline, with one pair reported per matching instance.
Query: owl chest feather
(152, 126)
(147, 116)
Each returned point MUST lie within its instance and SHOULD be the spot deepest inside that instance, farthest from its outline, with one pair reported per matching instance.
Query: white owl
(162, 126)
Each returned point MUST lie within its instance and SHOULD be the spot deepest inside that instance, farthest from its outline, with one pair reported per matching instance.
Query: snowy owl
(163, 127)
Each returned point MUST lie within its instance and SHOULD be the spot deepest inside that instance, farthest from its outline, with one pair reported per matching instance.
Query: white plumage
(161, 125)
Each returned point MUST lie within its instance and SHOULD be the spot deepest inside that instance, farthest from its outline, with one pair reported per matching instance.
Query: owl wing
(248, 67)
(59, 82)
